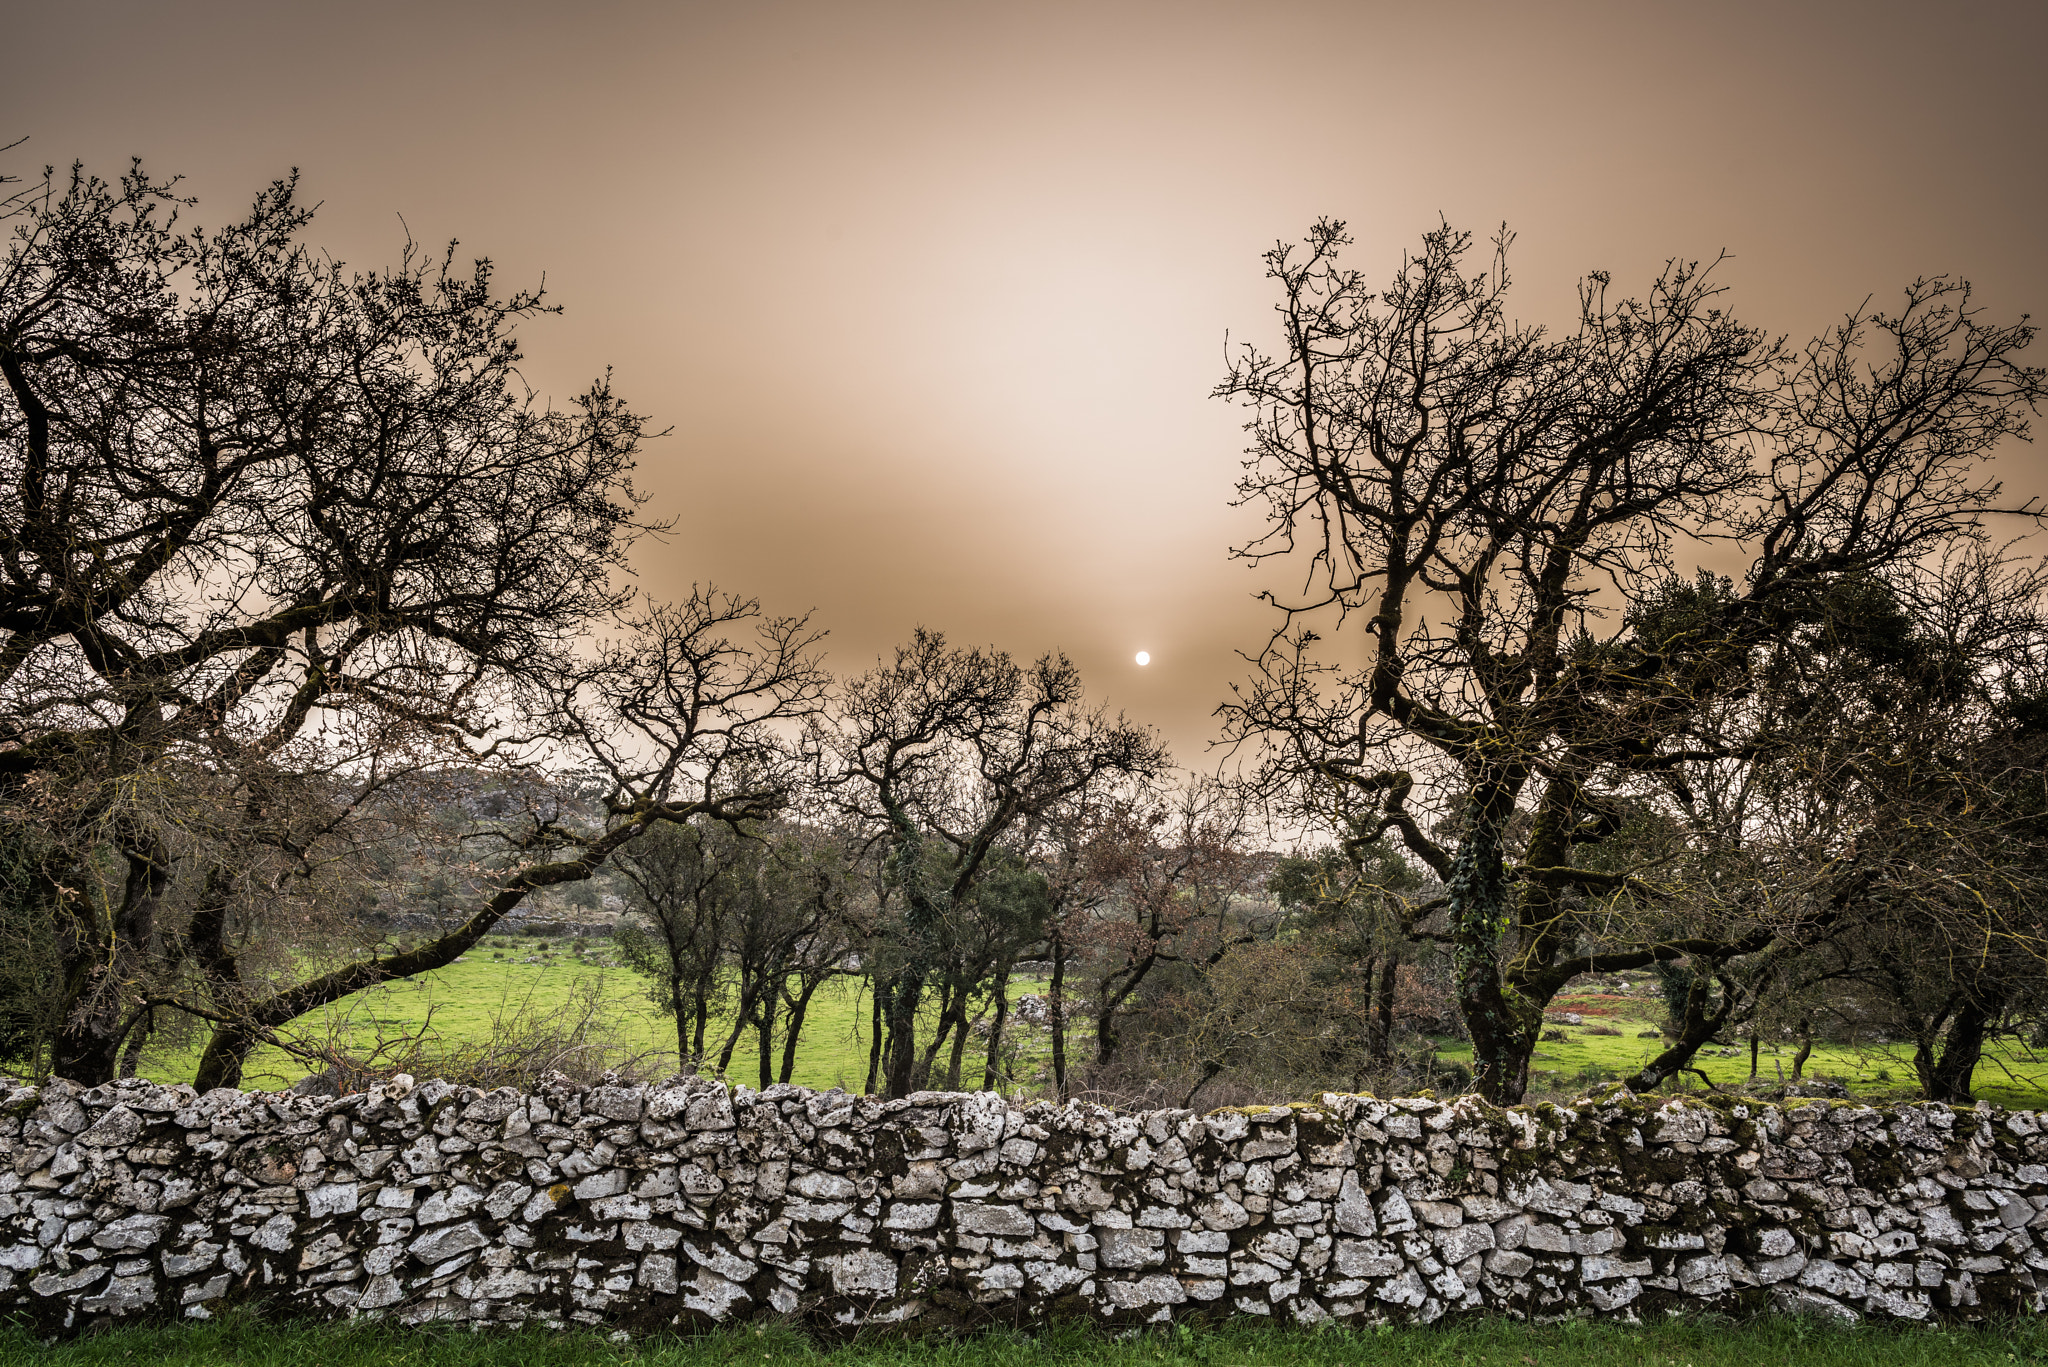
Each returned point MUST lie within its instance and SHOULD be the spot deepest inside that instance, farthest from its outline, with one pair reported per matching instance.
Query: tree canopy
(1651, 643)
(287, 536)
(1500, 517)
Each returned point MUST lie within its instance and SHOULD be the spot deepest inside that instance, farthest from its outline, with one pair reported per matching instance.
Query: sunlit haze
(930, 297)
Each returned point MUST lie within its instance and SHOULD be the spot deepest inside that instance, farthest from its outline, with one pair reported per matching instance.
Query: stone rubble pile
(688, 1203)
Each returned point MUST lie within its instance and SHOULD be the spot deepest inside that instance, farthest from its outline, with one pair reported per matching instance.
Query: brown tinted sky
(932, 294)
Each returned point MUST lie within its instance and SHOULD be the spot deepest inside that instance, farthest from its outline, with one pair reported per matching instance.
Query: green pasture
(1770, 1342)
(2010, 1075)
(507, 978)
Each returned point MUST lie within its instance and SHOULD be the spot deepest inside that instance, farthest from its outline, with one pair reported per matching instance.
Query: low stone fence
(638, 1208)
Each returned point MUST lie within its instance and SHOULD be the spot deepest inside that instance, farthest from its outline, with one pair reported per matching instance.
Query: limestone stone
(1832, 1278)
(1776, 1243)
(1050, 1278)
(1406, 1289)
(117, 1129)
(1354, 1213)
(978, 1218)
(275, 1234)
(332, 1198)
(444, 1243)
(912, 1215)
(122, 1296)
(1707, 1276)
(713, 1294)
(1458, 1244)
(1220, 1212)
(1158, 1289)
(609, 1182)
(1438, 1214)
(1132, 1248)
(1613, 1295)
(443, 1206)
(1772, 1270)
(823, 1186)
(1396, 1215)
(1605, 1269)
(1366, 1258)
(1506, 1263)
(133, 1231)
(863, 1272)
(723, 1261)
(620, 1204)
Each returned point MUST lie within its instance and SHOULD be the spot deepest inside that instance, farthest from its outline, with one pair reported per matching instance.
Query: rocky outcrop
(638, 1207)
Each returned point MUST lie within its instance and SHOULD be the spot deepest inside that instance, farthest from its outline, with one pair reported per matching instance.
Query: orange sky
(932, 295)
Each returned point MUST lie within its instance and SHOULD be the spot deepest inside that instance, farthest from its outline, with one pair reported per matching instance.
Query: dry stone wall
(634, 1207)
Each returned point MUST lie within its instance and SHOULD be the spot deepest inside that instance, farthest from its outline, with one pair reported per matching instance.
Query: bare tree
(1476, 497)
(944, 754)
(1933, 754)
(1174, 866)
(1357, 903)
(679, 876)
(757, 915)
(783, 938)
(679, 716)
(284, 538)
(258, 499)
(825, 873)
(1061, 840)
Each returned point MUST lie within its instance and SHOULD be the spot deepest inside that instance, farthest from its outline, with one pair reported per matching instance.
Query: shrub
(579, 1039)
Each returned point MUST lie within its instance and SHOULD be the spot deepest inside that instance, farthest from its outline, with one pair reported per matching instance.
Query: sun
(1144, 657)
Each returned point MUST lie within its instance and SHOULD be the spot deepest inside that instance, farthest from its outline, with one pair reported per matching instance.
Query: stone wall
(688, 1203)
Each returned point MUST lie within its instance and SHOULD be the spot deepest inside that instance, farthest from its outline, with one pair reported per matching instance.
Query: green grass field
(1779, 1342)
(496, 982)
(499, 980)
(2009, 1076)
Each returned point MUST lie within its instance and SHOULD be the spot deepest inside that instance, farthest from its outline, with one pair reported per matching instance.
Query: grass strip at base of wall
(1769, 1342)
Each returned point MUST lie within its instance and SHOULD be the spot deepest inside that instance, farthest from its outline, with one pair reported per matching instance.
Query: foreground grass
(1778, 1342)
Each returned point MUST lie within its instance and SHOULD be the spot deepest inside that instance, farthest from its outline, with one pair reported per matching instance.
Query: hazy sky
(932, 295)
